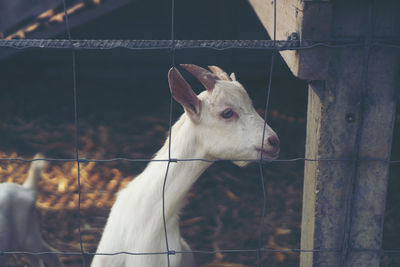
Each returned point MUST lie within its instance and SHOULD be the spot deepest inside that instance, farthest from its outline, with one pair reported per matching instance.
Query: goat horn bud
(222, 75)
(207, 78)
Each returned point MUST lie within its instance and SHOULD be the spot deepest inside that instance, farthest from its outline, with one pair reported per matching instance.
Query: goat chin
(241, 163)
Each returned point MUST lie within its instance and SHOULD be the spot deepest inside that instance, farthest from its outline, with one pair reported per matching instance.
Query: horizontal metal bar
(180, 44)
(147, 44)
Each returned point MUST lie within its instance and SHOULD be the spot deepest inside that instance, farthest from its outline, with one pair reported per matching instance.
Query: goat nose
(273, 141)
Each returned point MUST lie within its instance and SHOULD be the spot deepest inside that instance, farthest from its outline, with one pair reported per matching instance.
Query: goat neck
(181, 174)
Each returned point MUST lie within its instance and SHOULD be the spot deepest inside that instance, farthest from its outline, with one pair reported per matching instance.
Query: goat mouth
(267, 154)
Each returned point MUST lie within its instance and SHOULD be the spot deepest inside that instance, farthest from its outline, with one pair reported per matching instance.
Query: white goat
(219, 123)
(19, 229)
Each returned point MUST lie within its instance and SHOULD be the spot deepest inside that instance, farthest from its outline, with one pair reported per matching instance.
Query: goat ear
(233, 76)
(222, 75)
(207, 78)
(183, 94)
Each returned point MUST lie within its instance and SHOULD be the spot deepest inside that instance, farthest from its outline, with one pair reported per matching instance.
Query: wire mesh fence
(173, 45)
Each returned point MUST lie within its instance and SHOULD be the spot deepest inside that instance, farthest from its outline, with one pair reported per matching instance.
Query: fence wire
(225, 251)
(172, 45)
(263, 161)
(280, 45)
(76, 130)
(171, 102)
(353, 177)
(262, 178)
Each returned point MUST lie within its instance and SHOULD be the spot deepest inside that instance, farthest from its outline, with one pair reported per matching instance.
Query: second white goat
(219, 123)
(19, 228)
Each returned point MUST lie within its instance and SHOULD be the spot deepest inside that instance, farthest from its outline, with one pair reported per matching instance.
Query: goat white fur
(19, 229)
(219, 123)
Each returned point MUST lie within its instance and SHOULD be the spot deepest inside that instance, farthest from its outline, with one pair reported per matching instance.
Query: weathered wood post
(351, 108)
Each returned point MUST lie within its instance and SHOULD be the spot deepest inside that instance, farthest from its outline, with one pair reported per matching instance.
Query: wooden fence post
(331, 188)
(350, 115)
(351, 111)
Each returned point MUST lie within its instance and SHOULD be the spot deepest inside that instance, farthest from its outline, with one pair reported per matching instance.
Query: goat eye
(227, 113)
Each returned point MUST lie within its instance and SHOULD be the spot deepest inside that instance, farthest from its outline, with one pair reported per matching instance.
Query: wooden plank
(75, 20)
(310, 20)
(345, 200)
(16, 11)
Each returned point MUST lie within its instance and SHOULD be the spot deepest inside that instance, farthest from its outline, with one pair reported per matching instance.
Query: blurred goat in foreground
(19, 229)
